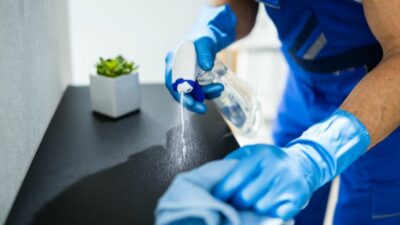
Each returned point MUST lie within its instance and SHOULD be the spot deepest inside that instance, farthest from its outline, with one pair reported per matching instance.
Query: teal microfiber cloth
(188, 201)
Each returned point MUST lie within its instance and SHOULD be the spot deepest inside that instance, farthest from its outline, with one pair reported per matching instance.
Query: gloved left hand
(194, 100)
(215, 30)
(279, 181)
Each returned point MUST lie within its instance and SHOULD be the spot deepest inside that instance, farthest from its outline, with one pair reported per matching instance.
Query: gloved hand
(279, 181)
(214, 31)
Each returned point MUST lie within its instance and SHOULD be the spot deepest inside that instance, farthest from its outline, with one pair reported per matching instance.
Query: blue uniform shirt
(324, 36)
(329, 48)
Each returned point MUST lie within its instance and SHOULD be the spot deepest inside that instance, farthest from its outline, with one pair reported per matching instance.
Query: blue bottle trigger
(189, 87)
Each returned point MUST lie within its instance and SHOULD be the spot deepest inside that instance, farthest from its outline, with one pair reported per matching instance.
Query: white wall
(34, 70)
(262, 64)
(140, 30)
(145, 30)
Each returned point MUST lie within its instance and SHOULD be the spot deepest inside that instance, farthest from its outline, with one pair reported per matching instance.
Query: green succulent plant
(115, 67)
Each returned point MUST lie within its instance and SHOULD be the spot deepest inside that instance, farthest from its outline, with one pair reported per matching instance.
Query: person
(339, 114)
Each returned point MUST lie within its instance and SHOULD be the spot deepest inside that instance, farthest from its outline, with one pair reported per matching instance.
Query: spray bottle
(238, 102)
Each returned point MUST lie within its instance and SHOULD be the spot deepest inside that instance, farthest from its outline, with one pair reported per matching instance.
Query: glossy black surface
(90, 169)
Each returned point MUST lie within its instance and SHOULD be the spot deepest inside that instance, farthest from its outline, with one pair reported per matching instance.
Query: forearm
(246, 13)
(375, 101)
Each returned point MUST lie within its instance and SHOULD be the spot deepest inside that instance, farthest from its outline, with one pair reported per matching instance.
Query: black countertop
(90, 169)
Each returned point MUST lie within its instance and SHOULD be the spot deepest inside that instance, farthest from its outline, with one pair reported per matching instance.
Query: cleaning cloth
(188, 201)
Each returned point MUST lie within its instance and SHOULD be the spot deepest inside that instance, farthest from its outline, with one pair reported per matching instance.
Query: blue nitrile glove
(215, 30)
(279, 181)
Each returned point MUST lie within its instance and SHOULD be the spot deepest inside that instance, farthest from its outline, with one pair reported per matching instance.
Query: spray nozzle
(185, 71)
(183, 86)
(191, 87)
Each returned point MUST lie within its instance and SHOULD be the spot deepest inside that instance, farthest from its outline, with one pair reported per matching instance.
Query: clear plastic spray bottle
(238, 103)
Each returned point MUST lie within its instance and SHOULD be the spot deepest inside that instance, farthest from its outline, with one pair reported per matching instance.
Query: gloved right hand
(214, 31)
(279, 181)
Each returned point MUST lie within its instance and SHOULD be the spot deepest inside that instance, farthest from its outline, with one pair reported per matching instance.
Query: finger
(168, 76)
(246, 151)
(270, 197)
(205, 53)
(194, 106)
(240, 175)
(199, 108)
(212, 88)
(287, 210)
(254, 191)
(216, 95)
(283, 201)
(212, 91)
(278, 203)
(168, 72)
(239, 153)
(292, 204)
(168, 59)
(188, 101)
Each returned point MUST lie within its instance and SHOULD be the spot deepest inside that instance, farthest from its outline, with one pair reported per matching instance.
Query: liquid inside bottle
(238, 103)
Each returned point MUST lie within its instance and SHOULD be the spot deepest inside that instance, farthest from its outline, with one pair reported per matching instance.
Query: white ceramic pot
(115, 97)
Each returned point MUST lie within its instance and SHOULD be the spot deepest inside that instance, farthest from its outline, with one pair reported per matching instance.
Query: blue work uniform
(329, 48)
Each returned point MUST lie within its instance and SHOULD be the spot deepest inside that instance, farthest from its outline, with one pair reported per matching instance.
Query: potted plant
(115, 89)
